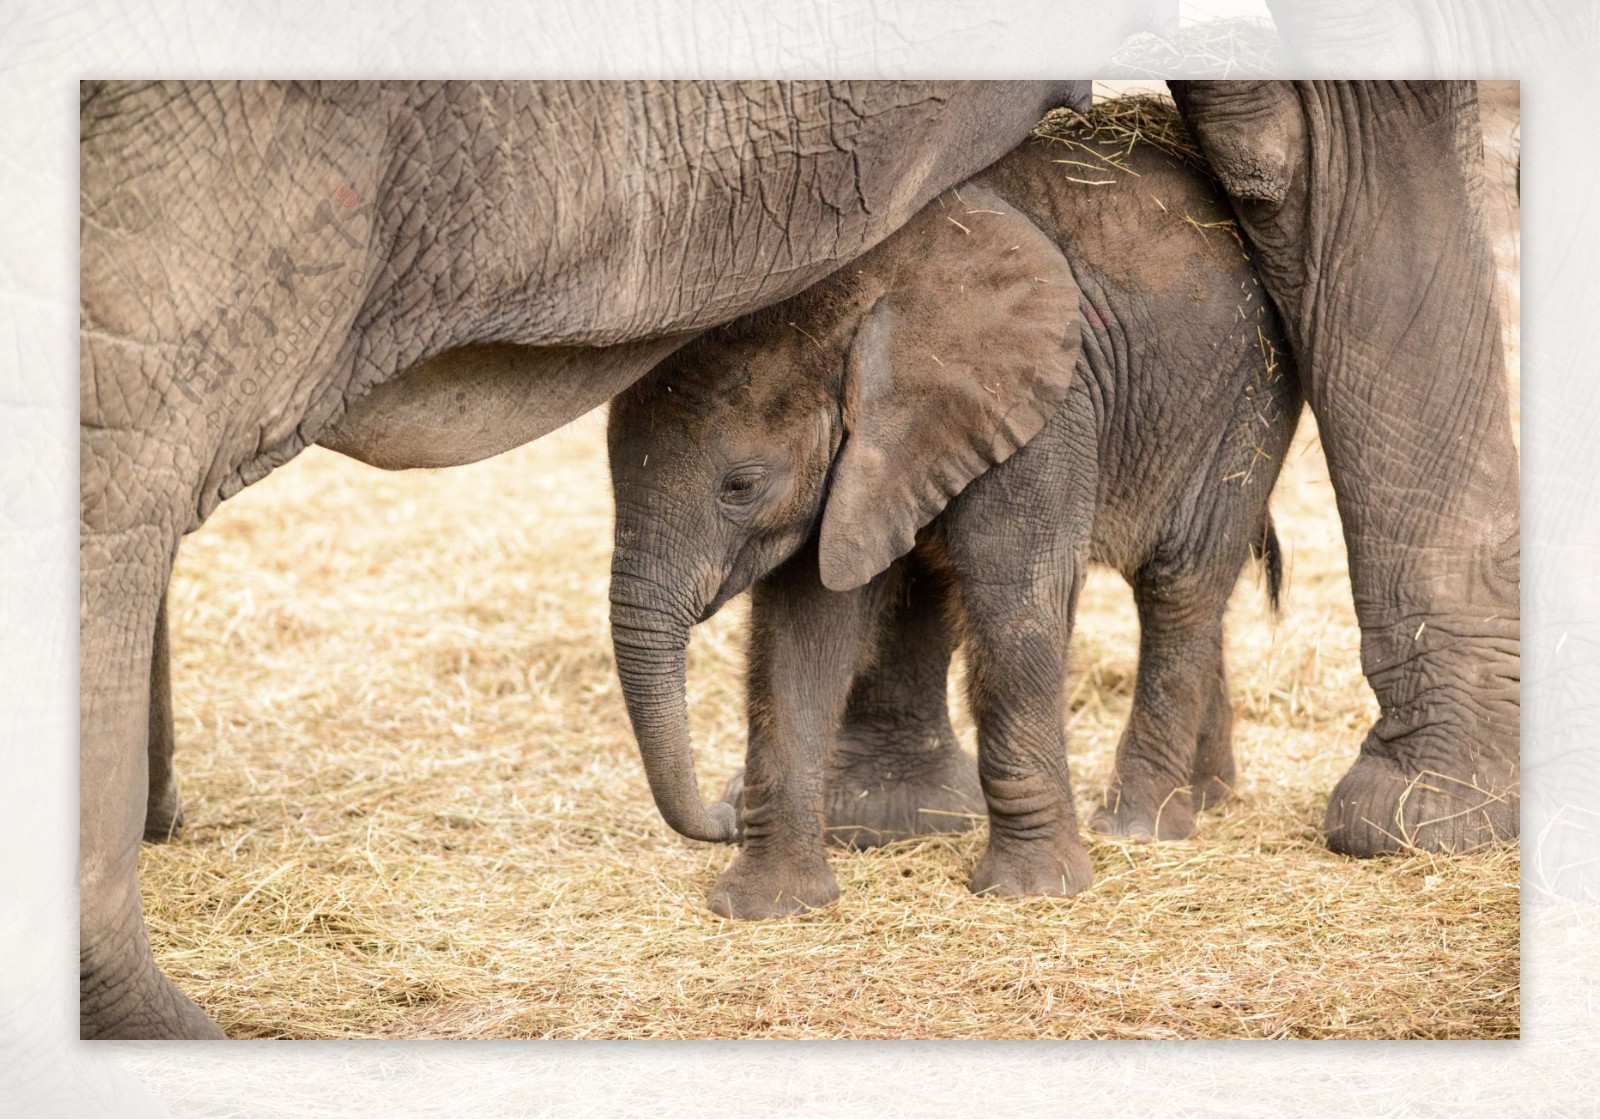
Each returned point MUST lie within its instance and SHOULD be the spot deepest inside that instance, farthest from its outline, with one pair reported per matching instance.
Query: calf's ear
(965, 356)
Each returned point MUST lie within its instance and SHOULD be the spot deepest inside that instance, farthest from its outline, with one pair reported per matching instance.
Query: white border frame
(45, 1071)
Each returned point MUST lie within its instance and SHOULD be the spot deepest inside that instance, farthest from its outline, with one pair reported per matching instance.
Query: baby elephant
(1066, 359)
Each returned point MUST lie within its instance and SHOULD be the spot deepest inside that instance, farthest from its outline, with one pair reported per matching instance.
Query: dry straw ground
(415, 809)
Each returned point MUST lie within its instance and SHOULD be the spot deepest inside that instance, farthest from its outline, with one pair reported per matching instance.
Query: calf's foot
(756, 886)
(1058, 866)
(1033, 844)
(1209, 792)
(1144, 809)
(879, 797)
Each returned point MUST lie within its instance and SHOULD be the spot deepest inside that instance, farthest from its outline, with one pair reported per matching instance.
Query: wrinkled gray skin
(1360, 202)
(415, 275)
(803, 448)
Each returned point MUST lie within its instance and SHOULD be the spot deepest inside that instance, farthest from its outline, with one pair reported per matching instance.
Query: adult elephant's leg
(1426, 477)
(896, 768)
(1359, 200)
(1406, 376)
(163, 816)
(1405, 373)
(123, 570)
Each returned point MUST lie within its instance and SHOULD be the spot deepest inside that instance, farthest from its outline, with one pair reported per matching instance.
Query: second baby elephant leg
(1212, 779)
(896, 769)
(805, 643)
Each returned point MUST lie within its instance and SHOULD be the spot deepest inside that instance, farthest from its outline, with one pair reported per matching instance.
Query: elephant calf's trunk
(650, 649)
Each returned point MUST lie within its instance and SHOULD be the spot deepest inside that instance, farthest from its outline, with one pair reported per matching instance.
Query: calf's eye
(743, 486)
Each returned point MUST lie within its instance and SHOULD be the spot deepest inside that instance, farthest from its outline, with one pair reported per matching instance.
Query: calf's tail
(1270, 554)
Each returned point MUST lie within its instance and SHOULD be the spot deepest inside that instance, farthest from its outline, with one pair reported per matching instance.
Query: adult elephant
(416, 275)
(1362, 205)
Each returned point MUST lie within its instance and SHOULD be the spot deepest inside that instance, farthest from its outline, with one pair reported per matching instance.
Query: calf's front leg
(805, 645)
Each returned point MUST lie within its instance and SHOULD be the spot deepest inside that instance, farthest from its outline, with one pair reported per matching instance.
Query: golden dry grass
(415, 810)
(1112, 128)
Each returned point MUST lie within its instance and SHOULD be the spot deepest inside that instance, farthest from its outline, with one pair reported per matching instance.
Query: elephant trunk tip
(717, 823)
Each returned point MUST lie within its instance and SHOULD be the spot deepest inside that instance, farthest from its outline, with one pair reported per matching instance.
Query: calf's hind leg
(896, 769)
(1214, 774)
(1176, 753)
(1017, 659)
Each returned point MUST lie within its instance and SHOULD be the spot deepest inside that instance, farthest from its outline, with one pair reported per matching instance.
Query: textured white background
(45, 1071)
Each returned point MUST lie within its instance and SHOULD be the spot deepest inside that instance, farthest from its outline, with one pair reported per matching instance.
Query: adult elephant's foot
(139, 1004)
(1042, 866)
(122, 994)
(1383, 805)
(163, 818)
(757, 886)
(1439, 772)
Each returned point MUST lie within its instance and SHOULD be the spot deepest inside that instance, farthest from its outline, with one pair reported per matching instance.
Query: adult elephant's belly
(477, 401)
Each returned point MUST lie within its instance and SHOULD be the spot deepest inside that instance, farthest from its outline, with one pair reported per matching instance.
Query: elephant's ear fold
(962, 360)
(1252, 134)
